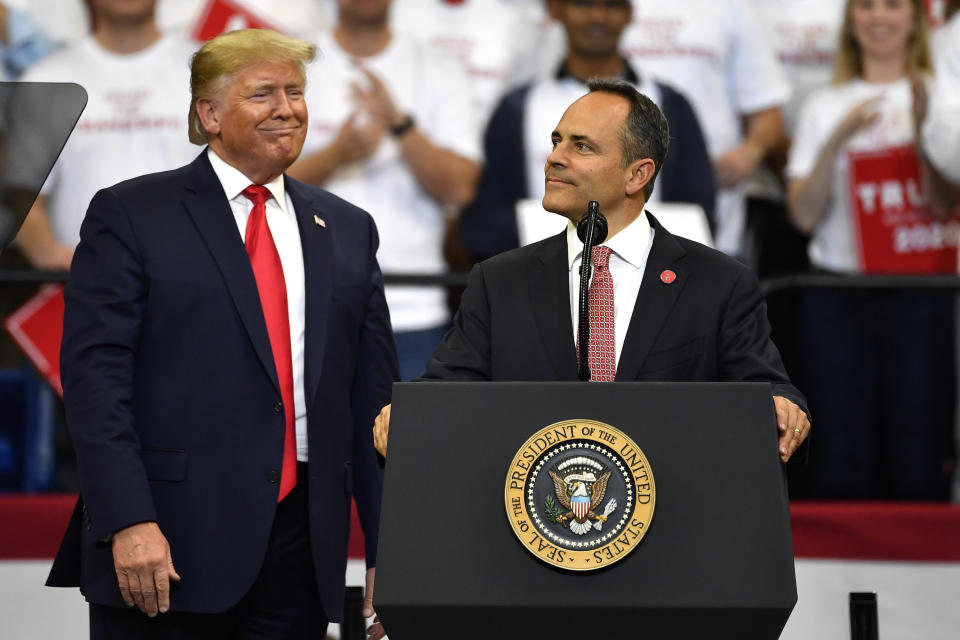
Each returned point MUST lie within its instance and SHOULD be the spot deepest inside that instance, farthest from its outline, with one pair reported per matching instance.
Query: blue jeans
(414, 348)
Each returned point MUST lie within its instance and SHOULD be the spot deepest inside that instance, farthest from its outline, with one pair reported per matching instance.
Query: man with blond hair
(226, 343)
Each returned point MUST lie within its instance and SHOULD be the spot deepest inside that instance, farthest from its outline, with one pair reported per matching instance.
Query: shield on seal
(580, 506)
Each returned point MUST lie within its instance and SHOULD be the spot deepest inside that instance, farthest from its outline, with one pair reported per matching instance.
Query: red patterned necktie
(603, 346)
(268, 272)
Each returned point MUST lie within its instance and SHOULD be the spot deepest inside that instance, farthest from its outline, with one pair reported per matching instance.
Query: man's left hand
(793, 425)
(375, 630)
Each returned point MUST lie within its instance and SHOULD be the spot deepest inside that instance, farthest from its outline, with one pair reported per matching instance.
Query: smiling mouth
(284, 129)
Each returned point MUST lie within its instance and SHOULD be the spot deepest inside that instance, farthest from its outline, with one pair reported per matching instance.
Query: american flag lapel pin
(320, 222)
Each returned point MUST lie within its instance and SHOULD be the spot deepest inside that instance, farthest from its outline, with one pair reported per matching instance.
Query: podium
(716, 560)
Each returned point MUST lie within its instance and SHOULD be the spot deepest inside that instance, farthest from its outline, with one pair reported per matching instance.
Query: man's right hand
(355, 142)
(141, 557)
(381, 428)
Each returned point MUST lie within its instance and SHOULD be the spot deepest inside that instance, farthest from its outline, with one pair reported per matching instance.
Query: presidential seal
(580, 495)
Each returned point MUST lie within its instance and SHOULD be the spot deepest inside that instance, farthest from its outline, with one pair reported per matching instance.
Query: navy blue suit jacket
(172, 396)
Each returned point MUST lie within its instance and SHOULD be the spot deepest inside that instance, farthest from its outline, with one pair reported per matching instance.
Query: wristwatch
(405, 125)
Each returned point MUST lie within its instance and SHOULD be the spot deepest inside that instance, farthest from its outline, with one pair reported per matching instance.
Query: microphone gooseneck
(592, 230)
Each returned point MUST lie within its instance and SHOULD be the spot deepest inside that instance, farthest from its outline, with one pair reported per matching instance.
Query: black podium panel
(717, 559)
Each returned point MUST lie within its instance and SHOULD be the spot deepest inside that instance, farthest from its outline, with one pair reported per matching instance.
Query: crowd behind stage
(812, 136)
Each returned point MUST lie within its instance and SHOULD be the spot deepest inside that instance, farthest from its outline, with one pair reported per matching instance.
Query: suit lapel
(318, 272)
(207, 205)
(550, 294)
(654, 301)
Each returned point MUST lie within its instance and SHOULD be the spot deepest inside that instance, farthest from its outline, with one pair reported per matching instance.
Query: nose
(557, 157)
(282, 107)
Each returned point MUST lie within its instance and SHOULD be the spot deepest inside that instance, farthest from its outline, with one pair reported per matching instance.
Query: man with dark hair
(645, 132)
(516, 142)
(675, 310)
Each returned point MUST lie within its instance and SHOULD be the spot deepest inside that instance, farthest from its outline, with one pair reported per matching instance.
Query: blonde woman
(880, 363)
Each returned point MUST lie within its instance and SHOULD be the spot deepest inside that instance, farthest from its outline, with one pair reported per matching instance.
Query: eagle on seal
(580, 509)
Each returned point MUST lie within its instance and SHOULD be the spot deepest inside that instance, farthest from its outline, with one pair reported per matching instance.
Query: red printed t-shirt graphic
(219, 16)
(603, 347)
(268, 271)
(894, 228)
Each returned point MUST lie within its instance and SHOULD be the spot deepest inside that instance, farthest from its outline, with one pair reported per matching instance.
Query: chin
(560, 209)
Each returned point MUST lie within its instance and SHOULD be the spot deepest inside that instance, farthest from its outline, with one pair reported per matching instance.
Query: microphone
(594, 221)
(592, 230)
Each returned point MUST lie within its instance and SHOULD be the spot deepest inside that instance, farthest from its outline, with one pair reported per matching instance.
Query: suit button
(278, 406)
(273, 476)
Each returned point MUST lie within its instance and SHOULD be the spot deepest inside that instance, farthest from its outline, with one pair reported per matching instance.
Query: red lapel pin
(666, 277)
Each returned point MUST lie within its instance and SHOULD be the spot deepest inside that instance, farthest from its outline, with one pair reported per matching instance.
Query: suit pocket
(165, 465)
(673, 356)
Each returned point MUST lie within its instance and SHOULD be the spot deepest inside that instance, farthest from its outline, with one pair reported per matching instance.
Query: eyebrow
(271, 83)
(575, 137)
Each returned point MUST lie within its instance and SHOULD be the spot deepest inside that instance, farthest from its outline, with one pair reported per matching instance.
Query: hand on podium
(381, 428)
(792, 422)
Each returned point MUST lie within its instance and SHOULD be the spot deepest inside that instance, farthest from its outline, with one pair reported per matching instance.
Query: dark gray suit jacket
(709, 325)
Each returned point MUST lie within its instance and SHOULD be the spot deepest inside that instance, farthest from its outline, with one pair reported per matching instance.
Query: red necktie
(603, 345)
(268, 272)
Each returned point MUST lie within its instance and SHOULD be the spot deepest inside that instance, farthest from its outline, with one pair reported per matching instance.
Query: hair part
(216, 62)
(848, 63)
(644, 133)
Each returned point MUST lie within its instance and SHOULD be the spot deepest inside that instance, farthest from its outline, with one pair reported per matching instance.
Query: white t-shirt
(61, 20)
(941, 129)
(804, 35)
(434, 91)
(69, 20)
(832, 245)
(135, 122)
(490, 38)
(718, 53)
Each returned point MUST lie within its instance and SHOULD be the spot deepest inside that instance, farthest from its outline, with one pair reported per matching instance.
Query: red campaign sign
(220, 16)
(895, 230)
(37, 328)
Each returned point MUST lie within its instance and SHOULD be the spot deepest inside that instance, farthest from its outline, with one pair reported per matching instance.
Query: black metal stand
(863, 616)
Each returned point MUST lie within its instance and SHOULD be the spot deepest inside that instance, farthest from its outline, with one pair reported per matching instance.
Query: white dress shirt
(629, 250)
(282, 222)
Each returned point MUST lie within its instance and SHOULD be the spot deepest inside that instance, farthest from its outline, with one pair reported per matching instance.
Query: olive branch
(551, 509)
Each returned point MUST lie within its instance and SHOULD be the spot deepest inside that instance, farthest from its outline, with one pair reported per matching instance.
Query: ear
(641, 172)
(209, 118)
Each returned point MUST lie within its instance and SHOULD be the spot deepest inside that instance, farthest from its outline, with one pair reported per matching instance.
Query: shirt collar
(234, 182)
(626, 73)
(630, 244)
